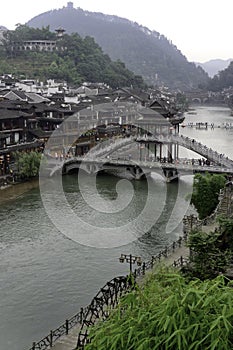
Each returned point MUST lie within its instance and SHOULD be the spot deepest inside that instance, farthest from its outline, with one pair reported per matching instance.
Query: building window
(8, 140)
(16, 137)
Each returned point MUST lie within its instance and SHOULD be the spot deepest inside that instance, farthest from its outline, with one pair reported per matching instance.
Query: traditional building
(14, 136)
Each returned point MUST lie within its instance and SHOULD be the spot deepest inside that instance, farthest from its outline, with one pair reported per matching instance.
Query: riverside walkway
(69, 342)
(176, 254)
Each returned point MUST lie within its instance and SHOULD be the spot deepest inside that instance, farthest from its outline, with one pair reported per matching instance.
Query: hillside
(145, 52)
(70, 58)
(212, 67)
(223, 80)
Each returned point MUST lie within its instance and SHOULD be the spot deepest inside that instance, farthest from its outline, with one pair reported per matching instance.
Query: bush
(169, 313)
(206, 189)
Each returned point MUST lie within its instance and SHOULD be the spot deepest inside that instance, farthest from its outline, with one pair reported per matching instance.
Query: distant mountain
(145, 52)
(2, 30)
(212, 67)
(223, 80)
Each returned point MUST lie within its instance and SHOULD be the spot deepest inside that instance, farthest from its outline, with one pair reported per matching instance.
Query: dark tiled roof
(18, 94)
(151, 117)
(12, 114)
(39, 133)
(3, 136)
(51, 120)
(21, 146)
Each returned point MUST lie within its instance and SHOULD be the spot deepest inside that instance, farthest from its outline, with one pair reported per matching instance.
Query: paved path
(183, 252)
(69, 342)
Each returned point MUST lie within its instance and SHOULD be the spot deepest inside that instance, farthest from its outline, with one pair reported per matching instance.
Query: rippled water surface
(46, 277)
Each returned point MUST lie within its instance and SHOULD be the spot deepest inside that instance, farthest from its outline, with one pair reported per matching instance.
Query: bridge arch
(197, 100)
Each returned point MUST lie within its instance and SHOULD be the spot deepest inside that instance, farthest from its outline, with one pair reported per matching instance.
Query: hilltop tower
(70, 5)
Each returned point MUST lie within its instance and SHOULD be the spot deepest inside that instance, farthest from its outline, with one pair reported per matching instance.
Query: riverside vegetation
(190, 309)
(28, 164)
(169, 313)
(205, 193)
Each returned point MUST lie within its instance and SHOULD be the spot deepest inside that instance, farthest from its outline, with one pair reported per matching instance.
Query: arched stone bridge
(99, 159)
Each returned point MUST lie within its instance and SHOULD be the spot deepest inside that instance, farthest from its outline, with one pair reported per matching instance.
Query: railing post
(51, 338)
(143, 268)
(173, 246)
(152, 261)
(81, 315)
(67, 327)
(33, 346)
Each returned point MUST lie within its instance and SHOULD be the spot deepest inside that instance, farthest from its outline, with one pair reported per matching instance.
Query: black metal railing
(180, 262)
(90, 317)
(49, 340)
(108, 296)
(165, 253)
(105, 300)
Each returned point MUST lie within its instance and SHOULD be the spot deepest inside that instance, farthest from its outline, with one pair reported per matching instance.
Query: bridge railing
(191, 144)
(204, 150)
(109, 147)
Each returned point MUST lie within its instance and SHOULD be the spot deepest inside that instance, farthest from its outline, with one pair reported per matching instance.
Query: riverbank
(13, 191)
(67, 334)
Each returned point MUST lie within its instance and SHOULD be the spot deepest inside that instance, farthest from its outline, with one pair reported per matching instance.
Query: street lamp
(131, 259)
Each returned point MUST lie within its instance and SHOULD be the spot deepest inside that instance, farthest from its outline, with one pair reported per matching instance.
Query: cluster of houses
(30, 111)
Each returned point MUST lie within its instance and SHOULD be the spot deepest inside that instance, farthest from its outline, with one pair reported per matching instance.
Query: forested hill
(145, 52)
(222, 80)
(73, 58)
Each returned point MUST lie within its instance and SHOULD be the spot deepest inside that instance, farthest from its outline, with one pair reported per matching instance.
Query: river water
(45, 277)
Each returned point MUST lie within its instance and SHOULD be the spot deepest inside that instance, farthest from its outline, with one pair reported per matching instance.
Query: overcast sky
(201, 29)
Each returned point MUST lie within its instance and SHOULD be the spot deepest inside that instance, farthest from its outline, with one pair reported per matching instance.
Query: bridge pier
(137, 172)
(170, 174)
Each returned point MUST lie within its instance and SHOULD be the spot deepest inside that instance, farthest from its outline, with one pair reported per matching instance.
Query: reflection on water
(46, 277)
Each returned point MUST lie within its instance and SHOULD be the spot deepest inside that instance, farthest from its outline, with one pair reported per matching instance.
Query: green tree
(226, 232)
(28, 164)
(205, 193)
(75, 60)
(208, 257)
(169, 313)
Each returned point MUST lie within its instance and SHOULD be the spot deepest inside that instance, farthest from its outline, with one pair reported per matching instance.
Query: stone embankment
(14, 190)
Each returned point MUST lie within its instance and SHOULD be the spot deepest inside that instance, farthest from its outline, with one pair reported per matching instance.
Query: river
(45, 277)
